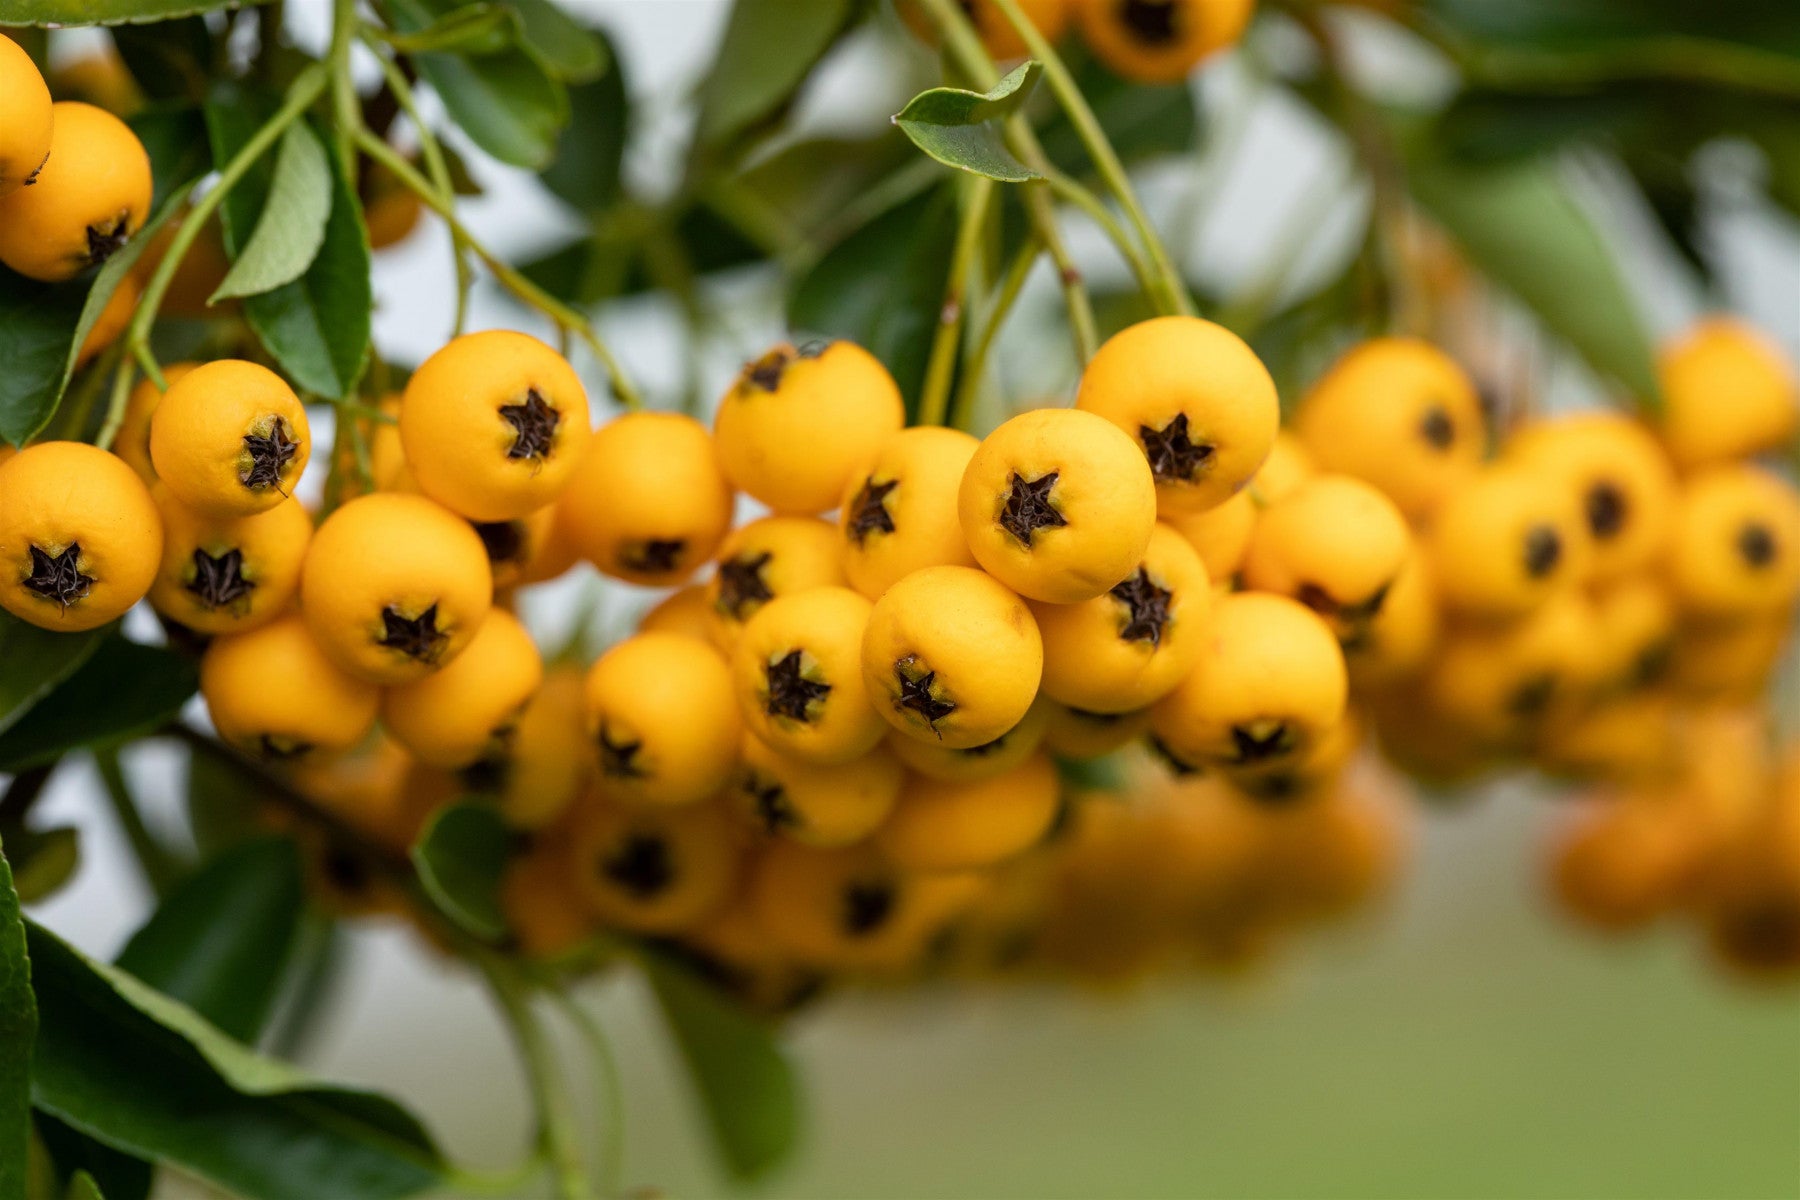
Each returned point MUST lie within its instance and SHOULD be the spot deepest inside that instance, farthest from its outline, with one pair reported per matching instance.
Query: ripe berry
(1735, 547)
(229, 438)
(812, 803)
(1221, 535)
(226, 575)
(1505, 542)
(1160, 41)
(25, 142)
(899, 513)
(1335, 544)
(770, 557)
(656, 870)
(1619, 476)
(1728, 392)
(939, 826)
(89, 198)
(797, 670)
(662, 720)
(470, 709)
(976, 763)
(273, 693)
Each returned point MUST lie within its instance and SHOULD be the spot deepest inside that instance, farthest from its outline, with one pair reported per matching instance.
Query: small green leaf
(119, 1061)
(460, 857)
(746, 1085)
(36, 661)
(221, 941)
(768, 49)
(507, 102)
(123, 691)
(119, 1176)
(43, 860)
(573, 52)
(18, 1026)
(291, 228)
(591, 150)
(962, 129)
(107, 12)
(83, 1187)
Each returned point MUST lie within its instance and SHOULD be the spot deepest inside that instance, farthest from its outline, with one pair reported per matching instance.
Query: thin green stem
(975, 363)
(306, 88)
(116, 404)
(1068, 189)
(556, 1123)
(1172, 292)
(934, 398)
(566, 318)
(610, 1087)
(160, 867)
(346, 108)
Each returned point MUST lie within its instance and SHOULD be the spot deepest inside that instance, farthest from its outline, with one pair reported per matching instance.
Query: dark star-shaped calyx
(504, 541)
(741, 584)
(773, 811)
(107, 238)
(219, 581)
(268, 456)
(1260, 741)
(1150, 21)
(618, 757)
(1028, 508)
(58, 577)
(1174, 457)
(655, 556)
(1146, 608)
(416, 637)
(791, 694)
(1543, 550)
(915, 695)
(867, 906)
(1756, 545)
(641, 866)
(869, 512)
(1436, 428)
(534, 426)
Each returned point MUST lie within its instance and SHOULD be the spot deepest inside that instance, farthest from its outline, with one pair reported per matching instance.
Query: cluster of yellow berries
(1147, 41)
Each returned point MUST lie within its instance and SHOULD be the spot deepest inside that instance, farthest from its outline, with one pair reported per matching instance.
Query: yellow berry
(1335, 544)
(273, 692)
(89, 197)
(662, 717)
(467, 711)
(815, 804)
(1728, 392)
(939, 826)
(25, 143)
(899, 513)
(229, 438)
(797, 669)
(768, 558)
(226, 575)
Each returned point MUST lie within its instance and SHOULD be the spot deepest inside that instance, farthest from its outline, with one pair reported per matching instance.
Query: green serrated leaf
(122, 691)
(746, 1085)
(573, 52)
(508, 103)
(108, 12)
(292, 225)
(36, 661)
(460, 857)
(768, 49)
(18, 1027)
(119, 1061)
(221, 941)
(43, 860)
(962, 129)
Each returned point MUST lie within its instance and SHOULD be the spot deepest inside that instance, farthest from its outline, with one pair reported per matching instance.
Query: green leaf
(36, 661)
(962, 129)
(473, 29)
(768, 49)
(221, 942)
(1142, 121)
(123, 691)
(808, 184)
(507, 102)
(83, 1187)
(882, 286)
(43, 860)
(18, 1026)
(171, 60)
(1520, 225)
(316, 327)
(589, 155)
(746, 1085)
(460, 857)
(174, 137)
(291, 228)
(123, 1063)
(119, 1176)
(573, 52)
(107, 12)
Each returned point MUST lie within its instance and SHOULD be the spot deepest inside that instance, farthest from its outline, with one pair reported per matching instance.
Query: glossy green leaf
(1519, 223)
(123, 691)
(43, 860)
(174, 136)
(472, 29)
(962, 129)
(507, 102)
(291, 228)
(221, 942)
(745, 1083)
(573, 52)
(883, 285)
(806, 185)
(460, 857)
(119, 1176)
(125, 1064)
(590, 153)
(170, 60)
(36, 661)
(18, 1026)
(107, 12)
(768, 49)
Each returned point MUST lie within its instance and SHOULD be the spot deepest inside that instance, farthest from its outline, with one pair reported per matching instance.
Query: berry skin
(798, 424)
(941, 826)
(549, 552)
(658, 870)
(394, 586)
(1289, 465)
(1269, 682)
(1197, 401)
(229, 439)
(1335, 544)
(1058, 505)
(1735, 547)
(662, 719)
(519, 549)
(684, 612)
(1501, 683)
(1078, 734)
(1131, 646)
(1395, 643)
(545, 762)
(850, 908)
(1728, 393)
(797, 668)
(899, 513)
(1620, 477)
(647, 504)
(768, 558)
(1397, 413)
(273, 693)
(1221, 536)
(470, 709)
(977, 763)
(1728, 660)
(232, 574)
(545, 910)
(494, 425)
(1635, 619)
(812, 803)
(25, 99)
(1622, 862)
(1505, 542)
(1160, 41)
(80, 538)
(87, 201)
(951, 657)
